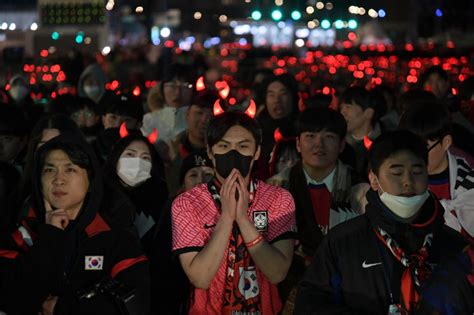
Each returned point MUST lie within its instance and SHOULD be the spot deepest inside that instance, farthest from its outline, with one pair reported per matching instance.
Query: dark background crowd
(137, 126)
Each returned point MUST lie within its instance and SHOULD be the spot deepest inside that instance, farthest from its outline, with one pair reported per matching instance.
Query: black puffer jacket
(354, 273)
(40, 260)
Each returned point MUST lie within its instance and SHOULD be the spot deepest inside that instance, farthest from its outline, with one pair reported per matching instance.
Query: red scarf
(416, 272)
(241, 289)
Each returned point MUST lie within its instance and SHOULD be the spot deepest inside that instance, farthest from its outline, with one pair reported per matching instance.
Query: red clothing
(194, 216)
(321, 201)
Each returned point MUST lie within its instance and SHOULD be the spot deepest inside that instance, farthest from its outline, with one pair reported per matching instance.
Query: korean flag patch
(260, 220)
(94, 262)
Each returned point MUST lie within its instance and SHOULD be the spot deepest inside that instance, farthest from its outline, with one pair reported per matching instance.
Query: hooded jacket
(354, 273)
(40, 260)
(95, 71)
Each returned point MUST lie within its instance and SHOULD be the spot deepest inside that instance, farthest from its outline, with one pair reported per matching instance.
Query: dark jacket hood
(98, 74)
(94, 196)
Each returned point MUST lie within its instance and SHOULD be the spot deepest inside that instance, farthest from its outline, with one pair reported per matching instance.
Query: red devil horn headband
(153, 136)
(252, 109)
(123, 130)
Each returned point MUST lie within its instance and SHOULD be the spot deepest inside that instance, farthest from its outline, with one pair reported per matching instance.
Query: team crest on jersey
(260, 220)
(94, 262)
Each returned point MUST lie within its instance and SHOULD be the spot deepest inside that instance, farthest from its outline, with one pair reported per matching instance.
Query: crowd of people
(197, 200)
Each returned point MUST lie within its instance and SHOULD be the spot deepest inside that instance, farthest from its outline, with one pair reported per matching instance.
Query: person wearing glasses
(175, 91)
(451, 178)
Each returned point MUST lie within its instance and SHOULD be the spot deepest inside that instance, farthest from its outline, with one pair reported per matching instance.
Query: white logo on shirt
(366, 265)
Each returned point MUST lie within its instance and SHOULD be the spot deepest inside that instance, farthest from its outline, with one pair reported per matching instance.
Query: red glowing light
(217, 110)
(123, 130)
(326, 90)
(8, 87)
(352, 36)
(136, 91)
(200, 84)
(114, 84)
(252, 109)
(44, 53)
(232, 101)
(53, 95)
(277, 136)
(169, 44)
(409, 47)
(153, 136)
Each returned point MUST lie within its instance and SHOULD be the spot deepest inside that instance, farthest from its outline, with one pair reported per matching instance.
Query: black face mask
(230, 160)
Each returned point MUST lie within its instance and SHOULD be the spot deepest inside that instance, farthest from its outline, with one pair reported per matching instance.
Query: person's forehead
(57, 156)
(238, 133)
(276, 86)
(138, 146)
(403, 159)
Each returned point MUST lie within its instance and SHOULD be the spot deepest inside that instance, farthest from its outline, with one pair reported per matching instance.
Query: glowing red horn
(153, 136)
(277, 135)
(123, 130)
(224, 89)
(200, 84)
(217, 108)
(367, 142)
(252, 109)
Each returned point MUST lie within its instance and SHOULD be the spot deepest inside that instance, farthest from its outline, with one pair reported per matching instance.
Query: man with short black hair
(378, 263)
(362, 110)
(323, 187)
(451, 178)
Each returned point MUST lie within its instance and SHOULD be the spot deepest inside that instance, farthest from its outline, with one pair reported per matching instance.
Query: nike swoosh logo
(208, 226)
(366, 265)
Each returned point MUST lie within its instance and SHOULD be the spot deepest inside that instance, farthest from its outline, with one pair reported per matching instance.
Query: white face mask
(92, 91)
(19, 92)
(133, 170)
(404, 207)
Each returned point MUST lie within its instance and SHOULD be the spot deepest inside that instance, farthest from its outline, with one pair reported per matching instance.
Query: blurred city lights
(165, 32)
(309, 10)
(279, 3)
(256, 15)
(54, 35)
(34, 26)
(277, 15)
(139, 9)
(79, 37)
(373, 14)
(439, 13)
(352, 24)
(338, 24)
(12, 27)
(325, 24)
(296, 15)
(382, 13)
(223, 18)
(319, 5)
(197, 16)
(299, 42)
(329, 6)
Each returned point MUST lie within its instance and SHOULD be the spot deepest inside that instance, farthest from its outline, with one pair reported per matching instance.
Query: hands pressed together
(235, 197)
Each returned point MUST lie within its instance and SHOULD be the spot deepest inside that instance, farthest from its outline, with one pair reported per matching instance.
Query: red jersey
(194, 216)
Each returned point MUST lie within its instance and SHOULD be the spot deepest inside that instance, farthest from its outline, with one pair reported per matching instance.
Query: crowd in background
(90, 176)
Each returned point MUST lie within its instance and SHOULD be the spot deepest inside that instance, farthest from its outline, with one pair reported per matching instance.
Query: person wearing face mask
(134, 168)
(234, 235)
(19, 96)
(92, 85)
(378, 263)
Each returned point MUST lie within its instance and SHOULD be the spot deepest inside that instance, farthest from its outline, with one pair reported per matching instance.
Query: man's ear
(373, 181)
(447, 142)
(298, 144)
(369, 113)
(342, 145)
(210, 155)
(257, 153)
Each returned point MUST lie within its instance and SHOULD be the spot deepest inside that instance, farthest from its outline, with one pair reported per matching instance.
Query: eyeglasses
(434, 144)
(175, 85)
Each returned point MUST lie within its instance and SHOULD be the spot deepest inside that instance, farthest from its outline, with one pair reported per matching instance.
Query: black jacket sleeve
(320, 291)
(27, 276)
(130, 268)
